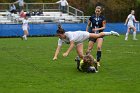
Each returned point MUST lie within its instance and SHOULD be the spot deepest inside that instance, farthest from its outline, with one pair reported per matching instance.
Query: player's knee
(90, 48)
(99, 48)
(81, 56)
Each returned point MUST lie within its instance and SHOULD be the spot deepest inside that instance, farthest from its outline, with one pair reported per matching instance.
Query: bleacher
(50, 14)
(47, 17)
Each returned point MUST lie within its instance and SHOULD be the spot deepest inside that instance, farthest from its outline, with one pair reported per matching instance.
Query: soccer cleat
(77, 58)
(25, 38)
(126, 39)
(98, 64)
(115, 33)
(135, 39)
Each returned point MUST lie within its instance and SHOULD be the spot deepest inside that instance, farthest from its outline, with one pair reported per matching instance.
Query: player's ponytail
(60, 30)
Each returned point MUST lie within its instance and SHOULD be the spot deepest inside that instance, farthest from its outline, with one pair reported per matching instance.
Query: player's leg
(79, 49)
(23, 37)
(91, 44)
(127, 33)
(26, 34)
(102, 34)
(134, 33)
(99, 50)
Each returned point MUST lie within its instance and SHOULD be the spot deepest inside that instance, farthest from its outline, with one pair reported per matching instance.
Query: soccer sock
(134, 35)
(107, 33)
(127, 34)
(98, 55)
(24, 36)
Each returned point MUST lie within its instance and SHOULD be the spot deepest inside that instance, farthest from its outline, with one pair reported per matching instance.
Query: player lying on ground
(76, 38)
(88, 64)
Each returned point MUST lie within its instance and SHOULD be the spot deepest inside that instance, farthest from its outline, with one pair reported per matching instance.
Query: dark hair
(60, 30)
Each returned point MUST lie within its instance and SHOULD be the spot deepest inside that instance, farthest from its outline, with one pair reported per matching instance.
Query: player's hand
(65, 54)
(93, 30)
(55, 58)
(96, 29)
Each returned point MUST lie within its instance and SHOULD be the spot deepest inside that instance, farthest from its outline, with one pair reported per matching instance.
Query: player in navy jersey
(96, 24)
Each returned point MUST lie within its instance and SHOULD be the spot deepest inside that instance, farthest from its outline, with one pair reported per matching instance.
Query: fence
(137, 25)
(8, 30)
(45, 7)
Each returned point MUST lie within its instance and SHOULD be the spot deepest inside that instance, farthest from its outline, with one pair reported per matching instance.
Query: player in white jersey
(25, 28)
(76, 38)
(130, 25)
(21, 4)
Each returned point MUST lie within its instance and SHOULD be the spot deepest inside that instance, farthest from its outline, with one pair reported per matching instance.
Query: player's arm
(16, 2)
(56, 52)
(66, 3)
(103, 27)
(58, 2)
(135, 20)
(126, 21)
(88, 25)
(69, 49)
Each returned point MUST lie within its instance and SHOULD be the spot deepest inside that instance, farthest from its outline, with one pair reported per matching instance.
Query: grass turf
(27, 67)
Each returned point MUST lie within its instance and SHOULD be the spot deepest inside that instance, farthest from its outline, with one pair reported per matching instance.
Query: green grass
(27, 67)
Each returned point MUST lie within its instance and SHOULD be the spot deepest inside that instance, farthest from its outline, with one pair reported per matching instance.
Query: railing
(33, 6)
(45, 8)
(75, 12)
(137, 25)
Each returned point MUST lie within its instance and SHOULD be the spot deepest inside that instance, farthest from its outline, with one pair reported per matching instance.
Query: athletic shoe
(77, 59)
(115, 33)
(135, 39)
(126, 39)
(98, 64)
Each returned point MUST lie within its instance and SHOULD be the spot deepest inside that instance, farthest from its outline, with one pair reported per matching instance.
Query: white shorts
(83, 36)
(130, 25)
(25, 28)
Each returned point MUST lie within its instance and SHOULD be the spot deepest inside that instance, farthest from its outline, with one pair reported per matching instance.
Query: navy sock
(98, 55)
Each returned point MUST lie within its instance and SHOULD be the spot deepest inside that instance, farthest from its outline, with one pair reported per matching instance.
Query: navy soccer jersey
(97, 22)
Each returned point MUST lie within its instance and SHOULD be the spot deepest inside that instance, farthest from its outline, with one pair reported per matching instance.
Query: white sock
(107, 33)
(24, 36)
(134, 35)
(127, 34)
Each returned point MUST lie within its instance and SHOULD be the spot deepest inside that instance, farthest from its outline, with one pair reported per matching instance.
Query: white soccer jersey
(21, 2)
(77, 37)
(131, 19)
(25, 24)
(63, 2)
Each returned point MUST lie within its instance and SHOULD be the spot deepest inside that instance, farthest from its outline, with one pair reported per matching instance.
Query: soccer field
(27, 67)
